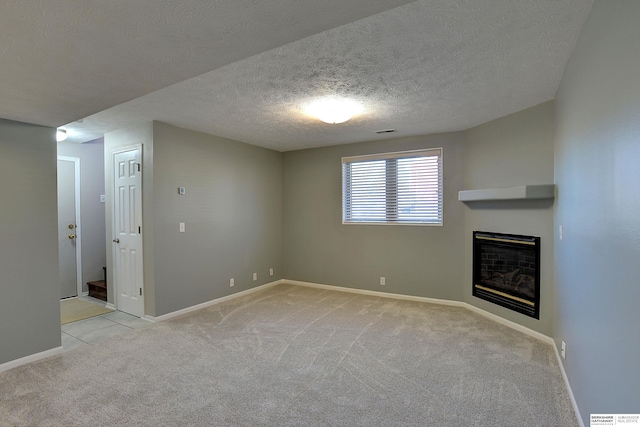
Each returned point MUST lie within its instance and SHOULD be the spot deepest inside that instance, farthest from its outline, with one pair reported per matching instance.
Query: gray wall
(232, 211)
(91, 155)
(433, 262)
(597, 169)
(237, 198)
(29, 291)
(423, 261)
(513, 150)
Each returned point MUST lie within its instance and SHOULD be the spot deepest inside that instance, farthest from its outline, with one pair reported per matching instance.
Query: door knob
(71, 236)
(116, 240)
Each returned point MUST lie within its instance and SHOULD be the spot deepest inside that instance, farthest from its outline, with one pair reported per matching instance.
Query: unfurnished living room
(320, 213)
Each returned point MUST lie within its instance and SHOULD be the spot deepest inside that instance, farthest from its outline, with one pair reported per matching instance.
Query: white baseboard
(210, 303)
(510, 324)
(52, 352)
(477, 310)
(568, 386)
(491, 316)
(375, 293)
(31, 358)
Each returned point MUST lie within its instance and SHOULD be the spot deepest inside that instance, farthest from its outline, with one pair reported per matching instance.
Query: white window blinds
(393, 188)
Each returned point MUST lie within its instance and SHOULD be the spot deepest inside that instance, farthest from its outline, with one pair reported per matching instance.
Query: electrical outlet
(232, 282)
(563, 351)
(182, 227)
(560, 232)
(271, 272)
(383, 281)
(255, 276)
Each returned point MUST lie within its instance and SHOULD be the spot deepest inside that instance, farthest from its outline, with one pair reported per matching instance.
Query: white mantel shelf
(521, 192)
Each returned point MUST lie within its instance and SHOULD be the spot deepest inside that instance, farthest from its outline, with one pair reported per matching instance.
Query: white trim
(568, 385)
(111, 193)
(78, 230)
(491, 316)
(377, 293)
(508, 323)
(31, 358)
(397, 155)
(210, 303)
(124, 149)
(470, 307)
(535, 334)
(421, 152)
(111, 306)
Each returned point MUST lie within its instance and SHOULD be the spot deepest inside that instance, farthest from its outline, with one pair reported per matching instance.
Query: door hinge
(139, 230)
(140, 291)
(138, 165)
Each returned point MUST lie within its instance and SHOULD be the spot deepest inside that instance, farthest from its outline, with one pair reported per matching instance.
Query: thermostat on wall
(181, 191)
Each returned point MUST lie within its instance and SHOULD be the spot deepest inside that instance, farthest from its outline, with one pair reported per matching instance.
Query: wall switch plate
(383, 280)
(271, 272)
(182, 227)
(103, 198)
(255, 276)
(182, 191)
(560, 232)
(232, 282)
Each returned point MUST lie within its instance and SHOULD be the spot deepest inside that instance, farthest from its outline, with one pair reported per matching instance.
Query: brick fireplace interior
(506, 271)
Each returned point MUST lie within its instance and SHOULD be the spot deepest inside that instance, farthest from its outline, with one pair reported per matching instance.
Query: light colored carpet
(74, 309)
(296, 356)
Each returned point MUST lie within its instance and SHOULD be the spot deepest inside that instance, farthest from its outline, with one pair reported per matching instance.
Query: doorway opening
(81, 227)
(69, 244)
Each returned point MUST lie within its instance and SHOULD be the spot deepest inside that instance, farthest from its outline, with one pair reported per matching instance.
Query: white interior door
(127, 218)
(68, 219)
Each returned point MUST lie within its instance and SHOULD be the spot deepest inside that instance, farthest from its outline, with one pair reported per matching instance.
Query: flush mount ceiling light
(61, 135)
(333, 110)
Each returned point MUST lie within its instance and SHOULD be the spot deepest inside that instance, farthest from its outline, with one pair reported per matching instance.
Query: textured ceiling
(63, 60)
(244, 71)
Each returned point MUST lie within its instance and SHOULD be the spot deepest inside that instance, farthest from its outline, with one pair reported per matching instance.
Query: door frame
(111, 184)
(78, 229)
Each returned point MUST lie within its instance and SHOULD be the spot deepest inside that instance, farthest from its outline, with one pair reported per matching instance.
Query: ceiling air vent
(386, 131)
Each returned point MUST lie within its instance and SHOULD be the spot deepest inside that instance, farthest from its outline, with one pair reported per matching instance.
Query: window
(393, 188)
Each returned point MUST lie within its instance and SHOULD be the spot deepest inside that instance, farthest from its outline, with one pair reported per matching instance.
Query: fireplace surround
(506, 271)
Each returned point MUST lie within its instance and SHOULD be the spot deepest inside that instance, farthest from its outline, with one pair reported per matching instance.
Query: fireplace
(506, 271)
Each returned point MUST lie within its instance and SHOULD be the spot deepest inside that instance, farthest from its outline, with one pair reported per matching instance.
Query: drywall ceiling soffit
(64, 60)
(423, 67)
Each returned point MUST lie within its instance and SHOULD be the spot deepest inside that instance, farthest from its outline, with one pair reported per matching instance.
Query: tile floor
(83, 332)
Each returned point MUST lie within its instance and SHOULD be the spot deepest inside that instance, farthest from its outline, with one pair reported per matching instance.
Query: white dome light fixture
(61, 135)
(333, 110)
